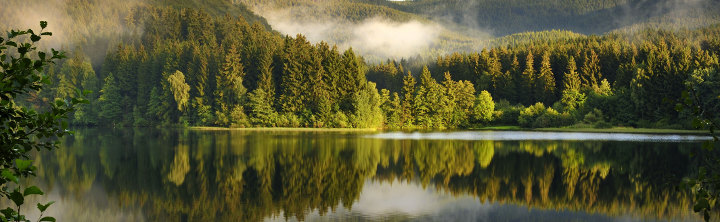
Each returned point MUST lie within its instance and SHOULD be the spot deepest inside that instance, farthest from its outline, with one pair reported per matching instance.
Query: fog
(93, 25)
(375, 36)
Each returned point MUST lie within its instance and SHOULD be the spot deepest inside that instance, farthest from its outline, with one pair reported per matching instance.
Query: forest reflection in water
(194, 175)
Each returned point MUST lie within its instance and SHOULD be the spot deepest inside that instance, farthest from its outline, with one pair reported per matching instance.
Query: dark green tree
(545, 81)
(527, 81)
(110, 101)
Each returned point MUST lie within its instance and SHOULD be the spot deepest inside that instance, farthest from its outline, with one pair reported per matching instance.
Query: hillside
(504, 17)
(425, 29)
(93, 26)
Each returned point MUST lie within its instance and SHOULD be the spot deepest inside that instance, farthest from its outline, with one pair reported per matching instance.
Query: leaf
(34, 38)
(46, 33)
(43, 24)
(23, 164)
(47, 219)
(8, 212)
(44, 207)
(32, 190)
(9, 175)
(59, 102)
(17, 198)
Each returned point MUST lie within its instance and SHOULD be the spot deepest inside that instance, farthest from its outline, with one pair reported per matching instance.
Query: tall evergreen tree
(572, 97)
(292, 85)
(408, 102)
(110, 108)
(545, 81)
(230, 91)
(527, 81)
(591, 75)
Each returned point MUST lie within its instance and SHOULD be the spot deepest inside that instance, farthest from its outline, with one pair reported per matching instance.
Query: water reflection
(183, 175)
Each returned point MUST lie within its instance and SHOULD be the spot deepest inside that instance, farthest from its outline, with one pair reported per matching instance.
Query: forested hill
(170, 65)
(588, 17)
(189, 67)
(504, 17)
(95, 26)
(431, 28)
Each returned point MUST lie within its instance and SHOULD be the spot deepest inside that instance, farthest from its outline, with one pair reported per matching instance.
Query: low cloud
(93, 24)
(375, 37)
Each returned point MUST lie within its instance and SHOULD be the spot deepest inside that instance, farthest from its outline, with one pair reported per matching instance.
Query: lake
(221, 175)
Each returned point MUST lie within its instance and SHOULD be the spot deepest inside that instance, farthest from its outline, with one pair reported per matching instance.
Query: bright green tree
(408, 102)
(572, 97)
(180, 90)
(484, 107)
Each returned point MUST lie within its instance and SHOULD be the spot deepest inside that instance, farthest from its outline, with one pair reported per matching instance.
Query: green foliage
(261, 113)
(109, 101)
(25, 130)
(537, 116)
(699, 99)
(367, 108)
(484, 107)
(179, 89)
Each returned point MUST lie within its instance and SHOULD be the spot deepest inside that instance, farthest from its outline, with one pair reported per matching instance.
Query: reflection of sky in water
(400, 201)
(526, 135)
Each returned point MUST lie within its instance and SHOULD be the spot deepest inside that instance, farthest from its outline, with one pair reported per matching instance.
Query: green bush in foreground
(23, 130)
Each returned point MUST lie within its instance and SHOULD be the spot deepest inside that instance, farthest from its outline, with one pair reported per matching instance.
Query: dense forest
(179, 66)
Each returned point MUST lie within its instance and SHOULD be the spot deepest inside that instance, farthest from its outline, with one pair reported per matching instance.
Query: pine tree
(110, 101)
(408, 102)
(498, 78)
(320, 96)
(572, 98)
(230, 90)
(421, 108)
(527, 81)
(265, 81)
(545, 81)
(352, 78)
(261, 113)
(292, 90)
(591, 75)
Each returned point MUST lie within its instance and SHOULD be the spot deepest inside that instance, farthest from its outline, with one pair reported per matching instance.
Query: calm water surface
(188, 175)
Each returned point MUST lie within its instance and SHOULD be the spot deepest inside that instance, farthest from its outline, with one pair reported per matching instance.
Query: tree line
(191, 68)
(614, 79)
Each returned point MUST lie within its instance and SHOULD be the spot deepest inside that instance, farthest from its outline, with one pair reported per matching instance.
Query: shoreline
(601, 130)
(289, 129)
(491, 128)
